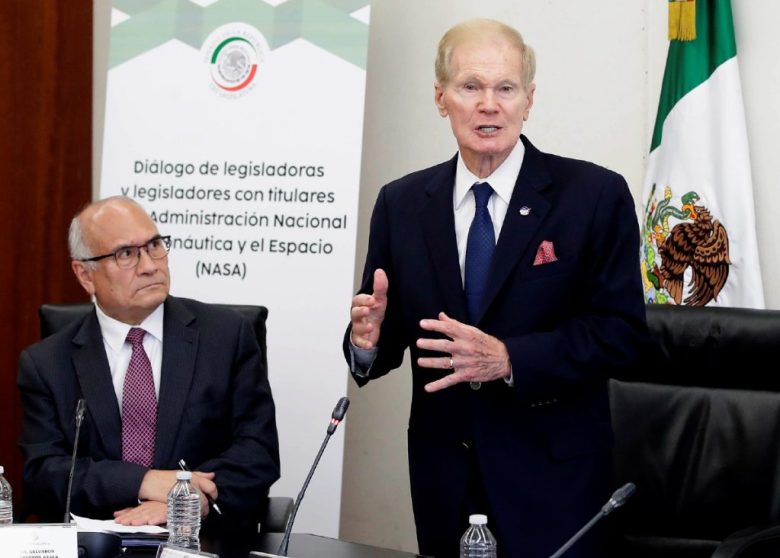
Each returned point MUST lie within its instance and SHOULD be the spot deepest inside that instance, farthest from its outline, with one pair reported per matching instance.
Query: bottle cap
(183, 475)
(478, 519)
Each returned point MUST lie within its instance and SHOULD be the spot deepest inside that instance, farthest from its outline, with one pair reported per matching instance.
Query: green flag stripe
(691, 63)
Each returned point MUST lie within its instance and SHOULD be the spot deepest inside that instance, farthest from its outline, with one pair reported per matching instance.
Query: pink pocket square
(545, 253)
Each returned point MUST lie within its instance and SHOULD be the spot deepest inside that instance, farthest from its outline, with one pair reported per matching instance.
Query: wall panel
(45, 177)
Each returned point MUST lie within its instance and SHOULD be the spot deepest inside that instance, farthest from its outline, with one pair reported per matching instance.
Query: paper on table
(86, 524)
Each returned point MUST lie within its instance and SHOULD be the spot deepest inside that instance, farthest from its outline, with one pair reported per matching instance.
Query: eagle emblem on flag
(683, 242)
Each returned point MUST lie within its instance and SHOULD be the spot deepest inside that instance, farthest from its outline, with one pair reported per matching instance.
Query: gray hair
(479, 27)
(78, 248)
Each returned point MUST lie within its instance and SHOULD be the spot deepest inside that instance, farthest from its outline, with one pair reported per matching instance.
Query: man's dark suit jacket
(215, 411)
(540, 448)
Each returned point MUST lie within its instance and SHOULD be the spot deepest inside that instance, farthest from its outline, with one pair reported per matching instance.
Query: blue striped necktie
(479, 250)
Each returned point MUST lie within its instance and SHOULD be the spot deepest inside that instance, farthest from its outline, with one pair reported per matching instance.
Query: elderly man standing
(164, 379)
(512, 276)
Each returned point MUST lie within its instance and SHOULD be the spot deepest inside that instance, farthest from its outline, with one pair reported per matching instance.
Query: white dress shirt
(119, 350)
(502, 180)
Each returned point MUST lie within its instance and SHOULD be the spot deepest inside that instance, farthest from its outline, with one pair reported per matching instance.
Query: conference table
(301, 545)
(311, 546)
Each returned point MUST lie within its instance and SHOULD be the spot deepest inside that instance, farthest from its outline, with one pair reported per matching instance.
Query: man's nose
(146, 264)
(488, 100)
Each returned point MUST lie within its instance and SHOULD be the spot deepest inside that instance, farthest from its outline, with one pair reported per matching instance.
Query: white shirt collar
(115, 332)
(502, 180)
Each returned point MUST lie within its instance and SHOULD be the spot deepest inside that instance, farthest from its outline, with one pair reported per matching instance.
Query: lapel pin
(525, 210)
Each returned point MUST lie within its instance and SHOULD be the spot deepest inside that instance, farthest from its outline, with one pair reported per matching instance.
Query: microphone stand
(578, 535)
(90, 543)
(618, 499)
(336, 418)
(80, 408)
(288, 531)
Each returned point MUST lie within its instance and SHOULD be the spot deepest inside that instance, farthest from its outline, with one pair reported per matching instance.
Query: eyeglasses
(128, 256)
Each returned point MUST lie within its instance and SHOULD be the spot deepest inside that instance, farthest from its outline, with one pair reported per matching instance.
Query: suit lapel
(519, 228)
(94, 376)
(180, 347)
(438, 224)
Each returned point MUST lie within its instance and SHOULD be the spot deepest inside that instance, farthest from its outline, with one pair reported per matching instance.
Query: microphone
(618, 498)
(90, 544)
(335, 419)
(81, 407)
(338, 414)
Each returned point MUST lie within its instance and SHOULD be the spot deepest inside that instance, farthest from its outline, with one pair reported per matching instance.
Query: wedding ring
(452, 364)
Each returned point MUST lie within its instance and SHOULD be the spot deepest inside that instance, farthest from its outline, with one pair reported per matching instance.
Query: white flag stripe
(705, 150)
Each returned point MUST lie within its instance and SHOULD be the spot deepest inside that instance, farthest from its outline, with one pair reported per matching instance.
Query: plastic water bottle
(6, 503)
(184, 513)
(477, 541)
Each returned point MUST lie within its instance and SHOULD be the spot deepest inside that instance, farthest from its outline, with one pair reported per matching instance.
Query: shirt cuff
(510, 381)
(361, 359)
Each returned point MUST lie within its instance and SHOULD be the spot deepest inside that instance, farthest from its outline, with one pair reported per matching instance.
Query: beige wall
(599, 72)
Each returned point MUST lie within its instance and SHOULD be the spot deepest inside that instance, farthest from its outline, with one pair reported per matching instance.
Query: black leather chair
(697, 428)
(54, 317)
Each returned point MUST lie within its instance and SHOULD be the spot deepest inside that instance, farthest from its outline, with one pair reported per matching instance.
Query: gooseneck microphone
(95, 543)
(618, 498)
(338, 414)
(335, 419)
(81, 407)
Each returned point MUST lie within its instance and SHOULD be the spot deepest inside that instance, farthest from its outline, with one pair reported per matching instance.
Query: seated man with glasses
(164, 379)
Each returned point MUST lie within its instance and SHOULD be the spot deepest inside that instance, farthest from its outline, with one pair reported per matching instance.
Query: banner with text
(238, 126)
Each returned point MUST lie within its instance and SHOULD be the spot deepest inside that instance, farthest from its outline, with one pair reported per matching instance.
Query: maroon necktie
(139, 405)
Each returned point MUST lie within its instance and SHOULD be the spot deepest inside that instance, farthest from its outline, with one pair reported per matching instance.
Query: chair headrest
(710, 347)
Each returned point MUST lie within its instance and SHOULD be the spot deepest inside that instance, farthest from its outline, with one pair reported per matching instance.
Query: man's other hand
(146, 513)
(471, 354)
(157, 483)
(204, 482)
(368, 313)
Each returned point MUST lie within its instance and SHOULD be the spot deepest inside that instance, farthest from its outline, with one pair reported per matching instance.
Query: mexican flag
(698, 222)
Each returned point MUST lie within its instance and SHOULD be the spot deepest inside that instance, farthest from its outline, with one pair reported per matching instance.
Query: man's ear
(529, 91)
(438, 98)
(84, 275)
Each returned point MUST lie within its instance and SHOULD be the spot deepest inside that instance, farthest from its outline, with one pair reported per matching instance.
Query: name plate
(39, 541)
(167, 551)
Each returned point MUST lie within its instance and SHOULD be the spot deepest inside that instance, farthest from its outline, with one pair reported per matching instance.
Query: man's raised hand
(368, 313)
